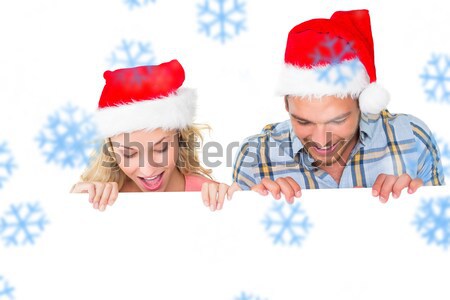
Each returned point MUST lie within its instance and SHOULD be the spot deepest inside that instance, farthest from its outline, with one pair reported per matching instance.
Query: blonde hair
(104, 167)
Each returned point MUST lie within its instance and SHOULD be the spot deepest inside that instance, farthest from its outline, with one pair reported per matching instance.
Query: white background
(55, 52)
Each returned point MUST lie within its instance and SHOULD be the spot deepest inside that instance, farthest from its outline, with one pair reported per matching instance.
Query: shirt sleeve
(245, 169)
(429, 168)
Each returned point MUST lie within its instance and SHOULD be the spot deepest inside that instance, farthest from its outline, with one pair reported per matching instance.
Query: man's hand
(284, 185)
(386, 184)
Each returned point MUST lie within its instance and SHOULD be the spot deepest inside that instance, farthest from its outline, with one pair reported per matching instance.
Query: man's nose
(320, 135)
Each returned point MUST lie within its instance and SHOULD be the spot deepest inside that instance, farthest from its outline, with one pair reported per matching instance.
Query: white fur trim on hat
(175, 111)
(373, 99)
(321, 81)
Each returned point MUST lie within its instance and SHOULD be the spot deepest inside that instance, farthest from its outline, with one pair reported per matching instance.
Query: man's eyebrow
(334, 119)
(157, 143)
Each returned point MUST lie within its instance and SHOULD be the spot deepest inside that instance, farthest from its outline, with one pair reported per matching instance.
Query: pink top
(194, 183)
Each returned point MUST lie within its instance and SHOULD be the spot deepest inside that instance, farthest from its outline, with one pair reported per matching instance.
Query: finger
(114, 193)
(205, 193)
(105, 197)
(386, 188)
(402, 182)
(272, 187)
(414, 185)
(376, 187)
(234, 188)
(286, 189)
(295, 186)
(260, 189)
(99, 187)
(83, 187)
(213, 196)
(223, 188)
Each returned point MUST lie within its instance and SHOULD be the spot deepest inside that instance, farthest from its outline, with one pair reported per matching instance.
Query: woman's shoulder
(194, 182)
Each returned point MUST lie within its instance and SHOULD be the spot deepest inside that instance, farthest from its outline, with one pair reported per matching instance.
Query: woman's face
(148, 158)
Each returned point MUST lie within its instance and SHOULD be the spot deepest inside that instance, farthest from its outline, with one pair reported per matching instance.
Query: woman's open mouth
(152, 183)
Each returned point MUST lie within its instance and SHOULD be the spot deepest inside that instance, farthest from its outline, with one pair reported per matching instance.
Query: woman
(146, 120)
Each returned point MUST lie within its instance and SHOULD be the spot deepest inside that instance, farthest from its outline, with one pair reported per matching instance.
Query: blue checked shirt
(388, 143)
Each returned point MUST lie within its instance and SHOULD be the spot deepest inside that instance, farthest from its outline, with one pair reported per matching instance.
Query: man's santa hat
(317, 48)
(145, 97)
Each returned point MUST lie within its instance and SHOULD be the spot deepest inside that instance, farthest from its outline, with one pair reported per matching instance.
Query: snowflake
(220, 17)
(22, 224)
(132, 54)
(445, 156)
(245, 296)
(68, 137)
(433, 221)
(335, 69)
(436, 78)
(6, 163)
(137, 3)
(287, 221)
(6, 291)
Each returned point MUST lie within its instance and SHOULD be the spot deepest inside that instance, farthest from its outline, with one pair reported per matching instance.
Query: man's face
(328, 127)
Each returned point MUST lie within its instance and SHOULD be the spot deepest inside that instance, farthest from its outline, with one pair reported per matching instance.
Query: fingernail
(211, 207)
(382, 199)
(102, 207)
(291, 200)
(395, 196)
(265, 192)
(278, 196)
(96, 205)
(374, 193)
(298, 194)
(90, 200)
(410, 190)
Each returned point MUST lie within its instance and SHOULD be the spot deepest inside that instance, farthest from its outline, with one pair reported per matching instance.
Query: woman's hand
(387, 184)
(213, 194)
(101, 194)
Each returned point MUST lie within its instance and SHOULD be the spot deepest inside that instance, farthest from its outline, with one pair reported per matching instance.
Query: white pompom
(373, 99)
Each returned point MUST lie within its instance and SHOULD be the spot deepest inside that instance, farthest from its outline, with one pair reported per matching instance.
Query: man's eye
(339, 121)
(303, 122)
(129, 155)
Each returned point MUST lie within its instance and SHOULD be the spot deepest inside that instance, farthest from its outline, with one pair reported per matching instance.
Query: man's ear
(286, 103)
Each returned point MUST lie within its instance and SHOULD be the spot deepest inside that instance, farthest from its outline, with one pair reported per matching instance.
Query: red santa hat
(145, 97)
(342, 45)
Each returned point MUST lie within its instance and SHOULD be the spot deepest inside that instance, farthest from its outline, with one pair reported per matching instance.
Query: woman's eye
(129, 155)
(163, 149)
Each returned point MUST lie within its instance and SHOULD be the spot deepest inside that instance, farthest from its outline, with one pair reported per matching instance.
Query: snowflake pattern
(131, 54)
(137, 3)
(287, 224)
(22, 224)
(222, 19)
(436, 78)
(6, 291)
(245, 296)
(68, 137)
(7, 164)
(445, 156)
(432, 221)
(330, 55)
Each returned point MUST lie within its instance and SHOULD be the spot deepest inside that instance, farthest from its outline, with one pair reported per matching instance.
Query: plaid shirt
(388, 143)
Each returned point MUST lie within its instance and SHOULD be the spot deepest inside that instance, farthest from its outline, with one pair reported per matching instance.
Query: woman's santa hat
(146, 97)
(320, 47)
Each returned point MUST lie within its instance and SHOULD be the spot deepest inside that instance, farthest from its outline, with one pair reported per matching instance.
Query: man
(339, 133)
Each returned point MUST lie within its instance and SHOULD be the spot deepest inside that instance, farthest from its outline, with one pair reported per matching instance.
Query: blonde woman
(146, 120)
